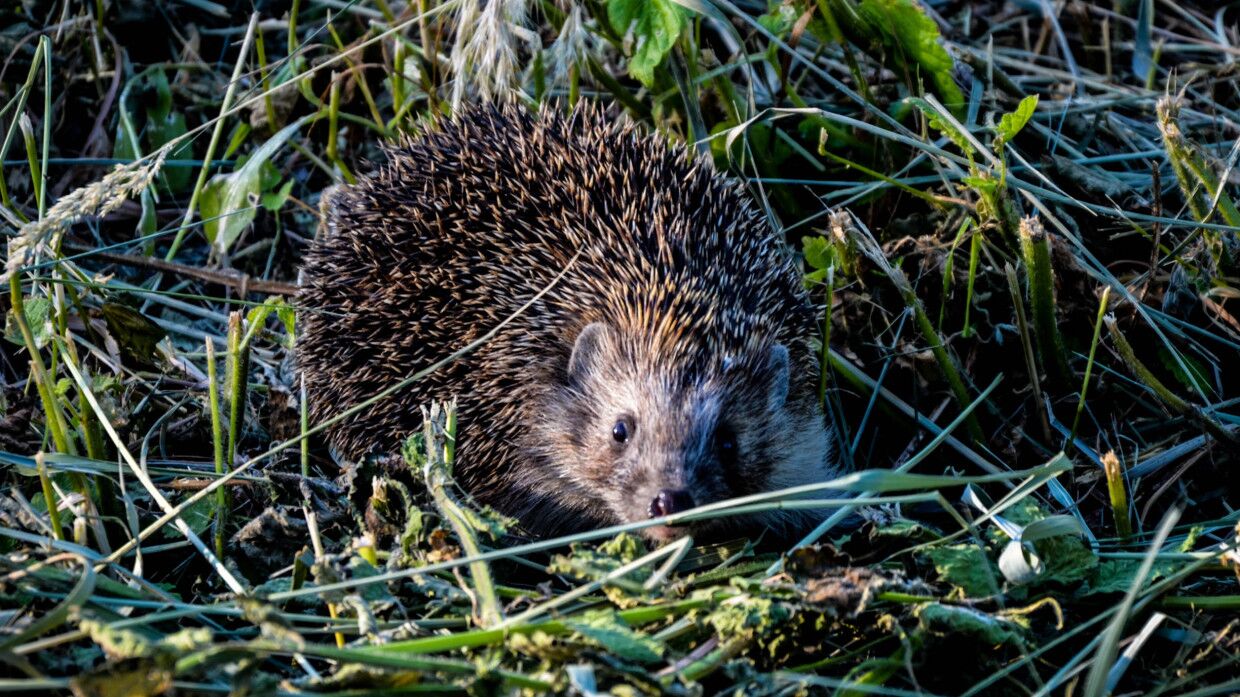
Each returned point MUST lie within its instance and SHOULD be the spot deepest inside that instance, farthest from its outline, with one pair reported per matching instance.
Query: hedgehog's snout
(671, 501)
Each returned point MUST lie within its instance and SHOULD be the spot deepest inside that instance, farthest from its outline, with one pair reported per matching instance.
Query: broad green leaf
(288, 317)
(1116, 575)
(748, 616)
(198, 516)
(1052, 526)
(656, 24)
(230, 201)
(122, 147)
(156, 96)
(1011, 124)
(779, 20)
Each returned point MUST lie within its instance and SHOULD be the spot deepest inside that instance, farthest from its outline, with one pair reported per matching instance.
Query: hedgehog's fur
(674, 315)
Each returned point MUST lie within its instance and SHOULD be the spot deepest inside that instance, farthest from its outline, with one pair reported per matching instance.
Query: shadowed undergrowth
(1017, 218)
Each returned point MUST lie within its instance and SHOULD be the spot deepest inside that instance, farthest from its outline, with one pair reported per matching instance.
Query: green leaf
(156, 95)
(288, 317)
(1052, 526)
(779, 20)
(966, 567)
(274, 200)
(942, 125)
(606, 630)
(198, 516)
(122, 148)
(748, 616)
(159, 133)
(656, 25)
(1117, 575)
(818, 252)
(956, 621)
(38, 318)
(903, 29)
(230, 201)
(1195, 375)
(1011, 124)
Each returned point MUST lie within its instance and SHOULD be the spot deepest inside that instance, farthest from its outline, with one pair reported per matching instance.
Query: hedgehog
(658, 351)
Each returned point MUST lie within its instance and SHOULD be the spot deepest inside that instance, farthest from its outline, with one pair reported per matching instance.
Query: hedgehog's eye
(725, 445)
(622, 431)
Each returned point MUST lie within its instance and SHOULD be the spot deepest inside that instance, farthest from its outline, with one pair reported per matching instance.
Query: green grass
(1046, 507)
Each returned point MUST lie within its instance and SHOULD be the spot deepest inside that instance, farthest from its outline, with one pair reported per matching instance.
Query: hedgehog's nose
(670, 501)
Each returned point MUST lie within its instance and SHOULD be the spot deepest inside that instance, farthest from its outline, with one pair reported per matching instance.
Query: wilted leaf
(134, 332)
(144, 681)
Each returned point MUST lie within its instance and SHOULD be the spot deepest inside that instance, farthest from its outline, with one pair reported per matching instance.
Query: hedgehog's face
(643, 440)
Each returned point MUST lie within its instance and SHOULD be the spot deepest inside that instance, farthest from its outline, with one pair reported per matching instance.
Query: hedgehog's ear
(586, 350)
(778, 375)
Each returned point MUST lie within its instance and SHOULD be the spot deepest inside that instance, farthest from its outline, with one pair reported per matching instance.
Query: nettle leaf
(903, 28)
(1118, 575)
(606, 630)
(1193, 378)
(230, 201)
(38, 318)
(779, 20)
(1011, 124)
(198, 516)
(656, 24)
(965, 566)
